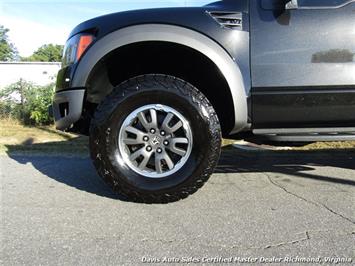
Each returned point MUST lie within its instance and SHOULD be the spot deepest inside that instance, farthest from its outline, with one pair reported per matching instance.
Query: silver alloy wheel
(155, 141)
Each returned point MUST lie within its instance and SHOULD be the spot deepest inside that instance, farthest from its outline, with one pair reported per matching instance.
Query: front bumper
(68, 107)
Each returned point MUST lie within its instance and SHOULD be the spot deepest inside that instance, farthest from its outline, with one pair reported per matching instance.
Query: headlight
(75, 48)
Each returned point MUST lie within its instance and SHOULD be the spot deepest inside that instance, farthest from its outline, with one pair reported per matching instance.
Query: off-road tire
(155, 89)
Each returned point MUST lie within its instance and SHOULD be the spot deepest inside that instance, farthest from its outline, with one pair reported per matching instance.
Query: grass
(16, 138)
(328, 145)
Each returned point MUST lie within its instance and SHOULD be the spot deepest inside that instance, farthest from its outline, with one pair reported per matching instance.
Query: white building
(39, 73)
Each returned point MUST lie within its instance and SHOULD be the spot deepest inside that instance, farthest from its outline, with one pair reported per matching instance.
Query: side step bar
(307, 134)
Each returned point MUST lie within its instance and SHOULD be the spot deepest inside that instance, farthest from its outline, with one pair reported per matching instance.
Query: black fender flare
(175, 34)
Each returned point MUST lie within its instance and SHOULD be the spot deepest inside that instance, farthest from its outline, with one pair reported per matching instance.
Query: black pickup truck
(157, 89)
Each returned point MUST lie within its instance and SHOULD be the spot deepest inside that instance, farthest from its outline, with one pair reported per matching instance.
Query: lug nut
(152, 130)
(145, 138)
(162, 133)
(149, 148)
(159, 150)
(166, 143)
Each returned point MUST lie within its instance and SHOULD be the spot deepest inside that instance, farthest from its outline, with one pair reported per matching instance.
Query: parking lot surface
(258, 205)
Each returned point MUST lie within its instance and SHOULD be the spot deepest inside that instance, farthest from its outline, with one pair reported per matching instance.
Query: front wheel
(155, 138)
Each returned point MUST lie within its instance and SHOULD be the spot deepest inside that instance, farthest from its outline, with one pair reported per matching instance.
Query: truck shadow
(299, 164)
(78, 171)
(66, 162)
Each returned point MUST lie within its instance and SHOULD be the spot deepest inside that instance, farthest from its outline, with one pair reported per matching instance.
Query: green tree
(46, 53)
(8, 51)
(32, 104)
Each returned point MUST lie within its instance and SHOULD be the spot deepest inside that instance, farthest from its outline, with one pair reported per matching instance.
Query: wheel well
(163, 58)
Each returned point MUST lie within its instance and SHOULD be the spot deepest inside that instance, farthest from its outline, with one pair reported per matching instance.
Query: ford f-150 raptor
(157, 89)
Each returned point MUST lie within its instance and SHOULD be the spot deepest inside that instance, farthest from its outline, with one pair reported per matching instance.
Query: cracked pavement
(56, 210)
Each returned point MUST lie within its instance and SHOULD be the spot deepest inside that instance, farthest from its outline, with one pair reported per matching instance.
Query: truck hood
(105, 24)
(190, 17)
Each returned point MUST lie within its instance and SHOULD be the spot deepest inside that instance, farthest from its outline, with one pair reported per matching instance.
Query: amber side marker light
(84, 42)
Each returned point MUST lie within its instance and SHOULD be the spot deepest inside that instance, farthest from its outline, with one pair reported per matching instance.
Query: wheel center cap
(156, 140)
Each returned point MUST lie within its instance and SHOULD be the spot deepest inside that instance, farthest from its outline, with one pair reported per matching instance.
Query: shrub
(27, 103)
(10, 110)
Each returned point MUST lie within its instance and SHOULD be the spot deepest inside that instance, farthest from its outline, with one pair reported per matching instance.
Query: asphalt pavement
(280, 206)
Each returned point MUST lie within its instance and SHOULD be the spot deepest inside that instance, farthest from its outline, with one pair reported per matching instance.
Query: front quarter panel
(192, 27)
(190, 38)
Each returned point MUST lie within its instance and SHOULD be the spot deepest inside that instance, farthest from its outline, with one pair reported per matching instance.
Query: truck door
(302, 63)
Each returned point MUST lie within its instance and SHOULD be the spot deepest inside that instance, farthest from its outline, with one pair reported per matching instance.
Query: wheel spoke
(143, 120)
(158, 167)
(136, 154)
(179, 140)
(168, 160)
(172, 147)
(165, 124)
(144, 162)
(128, 141)
(153, 116)
(178, 151)
(135, 131)
(176, 127)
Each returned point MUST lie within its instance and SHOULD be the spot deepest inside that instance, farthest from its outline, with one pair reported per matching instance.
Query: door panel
(298, 54)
